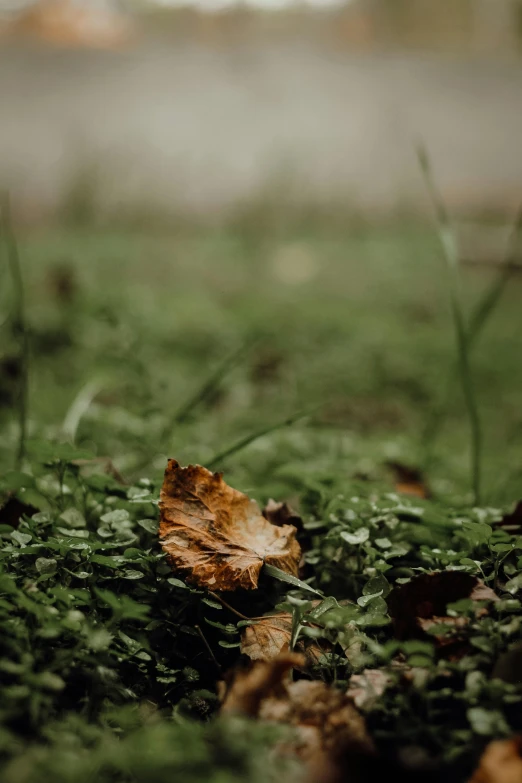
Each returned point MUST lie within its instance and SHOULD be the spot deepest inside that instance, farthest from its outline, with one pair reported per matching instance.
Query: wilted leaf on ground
(265, 639)
(501, 762)
(282, 514)
(420, 604)
(247, 688)
(408, 480)
(13, 510)
(325, 720)
(367, 686)
(216, 535)
(513, 521)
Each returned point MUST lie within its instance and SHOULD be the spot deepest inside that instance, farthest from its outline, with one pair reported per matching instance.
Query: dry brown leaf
(282, 514)
(501, 762)
(408, 480)
(325, 720)
(265, 639)
(216, 535)
(13, 510)
(512, 521)
(367, 686)
(421, 603)
(249, 687)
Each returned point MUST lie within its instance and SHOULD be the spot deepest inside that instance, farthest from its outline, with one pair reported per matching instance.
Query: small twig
(209, 648)
(227, 606)
(235, 611)
(13, 260)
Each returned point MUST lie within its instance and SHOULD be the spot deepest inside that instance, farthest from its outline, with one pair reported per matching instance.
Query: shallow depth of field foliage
(300, 363)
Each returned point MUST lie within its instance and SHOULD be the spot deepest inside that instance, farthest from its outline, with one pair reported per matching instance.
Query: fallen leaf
(13, 510)
(421, 603)
(324, 719)
(282, 514)
(508, 666)
(265, 639)
(367, 686)
(248, 688)
(216, 535)
(513, 520)
(408, 480)
(501, 762)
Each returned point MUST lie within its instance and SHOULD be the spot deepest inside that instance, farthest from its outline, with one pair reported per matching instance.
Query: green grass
(148, 345)
(368, 338)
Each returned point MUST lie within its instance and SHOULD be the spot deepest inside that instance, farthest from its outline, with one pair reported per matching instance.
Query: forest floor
(310, 366)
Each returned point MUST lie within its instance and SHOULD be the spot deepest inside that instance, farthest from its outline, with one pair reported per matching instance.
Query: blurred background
(222, 220)
(198, 108)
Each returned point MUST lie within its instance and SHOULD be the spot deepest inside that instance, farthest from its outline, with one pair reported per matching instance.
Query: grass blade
(489, 301)
(276, 573)
(19, 322)
(477, 322)
(209, 387)
(79, 407)
(451, 255)
(248, 439)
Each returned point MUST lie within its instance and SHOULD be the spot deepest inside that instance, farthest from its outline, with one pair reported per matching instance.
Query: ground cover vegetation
(344, 602)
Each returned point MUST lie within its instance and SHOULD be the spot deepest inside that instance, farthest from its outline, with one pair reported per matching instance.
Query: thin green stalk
(19, 323)
(489, 301)
(209, 387)
(451, 255)
(79, 407)
(248, 439)
(478, 320)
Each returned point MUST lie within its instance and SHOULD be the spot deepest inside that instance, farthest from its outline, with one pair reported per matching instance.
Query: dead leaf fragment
(367, 686)
(501, 762)
(512, 521)
(250, 687)
(325, 720)
(269, 636)
(216, 535)
(421, 603)
(13, 510)
(408, 480)
(282, 514)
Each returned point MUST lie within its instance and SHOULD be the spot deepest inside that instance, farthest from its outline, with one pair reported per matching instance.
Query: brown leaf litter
(282, 514)
(409, 480)
(270, 636)
(13, 510)
(501, 762)
(513, 521)
(421, 603)
(215, 535)
(366, 687)
(324, 719)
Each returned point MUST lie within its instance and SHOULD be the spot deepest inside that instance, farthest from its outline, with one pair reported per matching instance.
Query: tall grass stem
(450, 252)
(19, 323)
